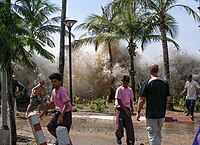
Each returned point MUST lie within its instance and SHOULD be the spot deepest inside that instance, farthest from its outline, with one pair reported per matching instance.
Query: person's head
(153, 69)
(125, 81)
(55, 80)
(189, 77)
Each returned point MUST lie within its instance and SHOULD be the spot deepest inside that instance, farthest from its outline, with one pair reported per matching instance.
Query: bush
(100, 104)
(197, 105)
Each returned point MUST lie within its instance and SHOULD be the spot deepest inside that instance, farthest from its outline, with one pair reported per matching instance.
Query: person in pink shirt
(124, 109)
(62, 103)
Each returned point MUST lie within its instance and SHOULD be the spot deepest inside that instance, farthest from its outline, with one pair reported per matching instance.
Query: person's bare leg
(29, 108)
(39, 107)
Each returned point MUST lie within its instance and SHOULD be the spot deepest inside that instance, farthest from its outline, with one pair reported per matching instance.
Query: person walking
(17, 89)
(124, 108)
(155, 91)
(192, 89)
(63, 106)
(36, 97)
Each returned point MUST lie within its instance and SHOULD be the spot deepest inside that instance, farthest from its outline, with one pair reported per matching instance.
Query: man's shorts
(35, 100)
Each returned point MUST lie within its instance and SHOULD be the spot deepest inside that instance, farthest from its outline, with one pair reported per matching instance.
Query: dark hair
(189, 76)
(56, 76)
(125, 79)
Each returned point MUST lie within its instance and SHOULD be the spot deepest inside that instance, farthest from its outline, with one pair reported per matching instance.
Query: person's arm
(140, 104)
(131, 104)
(169, 99)
(60, 118)
(184, 91)
(128, 113)
(198, 93)
(17, 92)
(46, 95)
(50, 105)
(34, 89)
(198, 89)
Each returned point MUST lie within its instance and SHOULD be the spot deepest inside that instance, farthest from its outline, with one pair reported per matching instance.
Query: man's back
(37, 90)
(156, 91)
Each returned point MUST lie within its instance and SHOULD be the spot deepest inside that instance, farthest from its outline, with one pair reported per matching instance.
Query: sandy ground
(85, 131)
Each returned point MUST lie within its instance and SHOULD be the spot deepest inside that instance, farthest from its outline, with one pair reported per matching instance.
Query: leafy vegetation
(26, 27)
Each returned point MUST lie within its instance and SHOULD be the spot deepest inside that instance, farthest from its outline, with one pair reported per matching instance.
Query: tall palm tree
(22, 26)
(36, 15)
(62, 40)
(165, 22)
(132, 25)
(95, 26)
(159, 10)
(128, 26)
(12, 50)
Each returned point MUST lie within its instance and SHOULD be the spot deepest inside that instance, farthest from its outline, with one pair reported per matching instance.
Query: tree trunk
(11, 107)
(132, 47)
(62, 40)
(166, 64)
(112, 90)
(10, 95)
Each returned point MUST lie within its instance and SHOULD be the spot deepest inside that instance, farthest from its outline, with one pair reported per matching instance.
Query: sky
(188, 36)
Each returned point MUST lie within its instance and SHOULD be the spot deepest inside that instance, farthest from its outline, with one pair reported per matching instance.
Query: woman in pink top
(124, 109)
(63, 106)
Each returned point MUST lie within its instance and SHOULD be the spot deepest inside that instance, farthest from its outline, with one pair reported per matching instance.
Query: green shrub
(80, 106)
(181, 104)
(197, 105)
(100, 104)
(76, 100)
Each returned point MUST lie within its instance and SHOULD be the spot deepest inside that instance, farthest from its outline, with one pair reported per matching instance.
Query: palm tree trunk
(166, 63)
(11, 107)
(10, 95)
(112, 91)
(62, 40)
(132, 47)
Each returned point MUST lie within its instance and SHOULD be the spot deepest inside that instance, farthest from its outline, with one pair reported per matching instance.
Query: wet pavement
(179, 127)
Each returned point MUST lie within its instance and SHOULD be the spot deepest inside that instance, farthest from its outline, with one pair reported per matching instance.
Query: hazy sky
(188, 36)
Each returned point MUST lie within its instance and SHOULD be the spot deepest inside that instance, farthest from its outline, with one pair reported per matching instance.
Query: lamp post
(69, 24)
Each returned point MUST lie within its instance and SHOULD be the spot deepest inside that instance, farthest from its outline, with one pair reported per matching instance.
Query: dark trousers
(67, 121)
(124, 121)
(190, 106)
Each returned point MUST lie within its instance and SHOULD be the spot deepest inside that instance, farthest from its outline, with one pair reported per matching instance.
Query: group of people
(155, 92)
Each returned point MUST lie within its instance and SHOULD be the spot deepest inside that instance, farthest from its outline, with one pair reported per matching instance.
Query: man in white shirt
(192, 88)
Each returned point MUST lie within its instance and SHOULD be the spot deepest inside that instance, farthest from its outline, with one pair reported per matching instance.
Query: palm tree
(11, 50)
(36, 15)
(24, 24)
(96, 25)
(159, 10)
(62, 40)
(128, 26)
